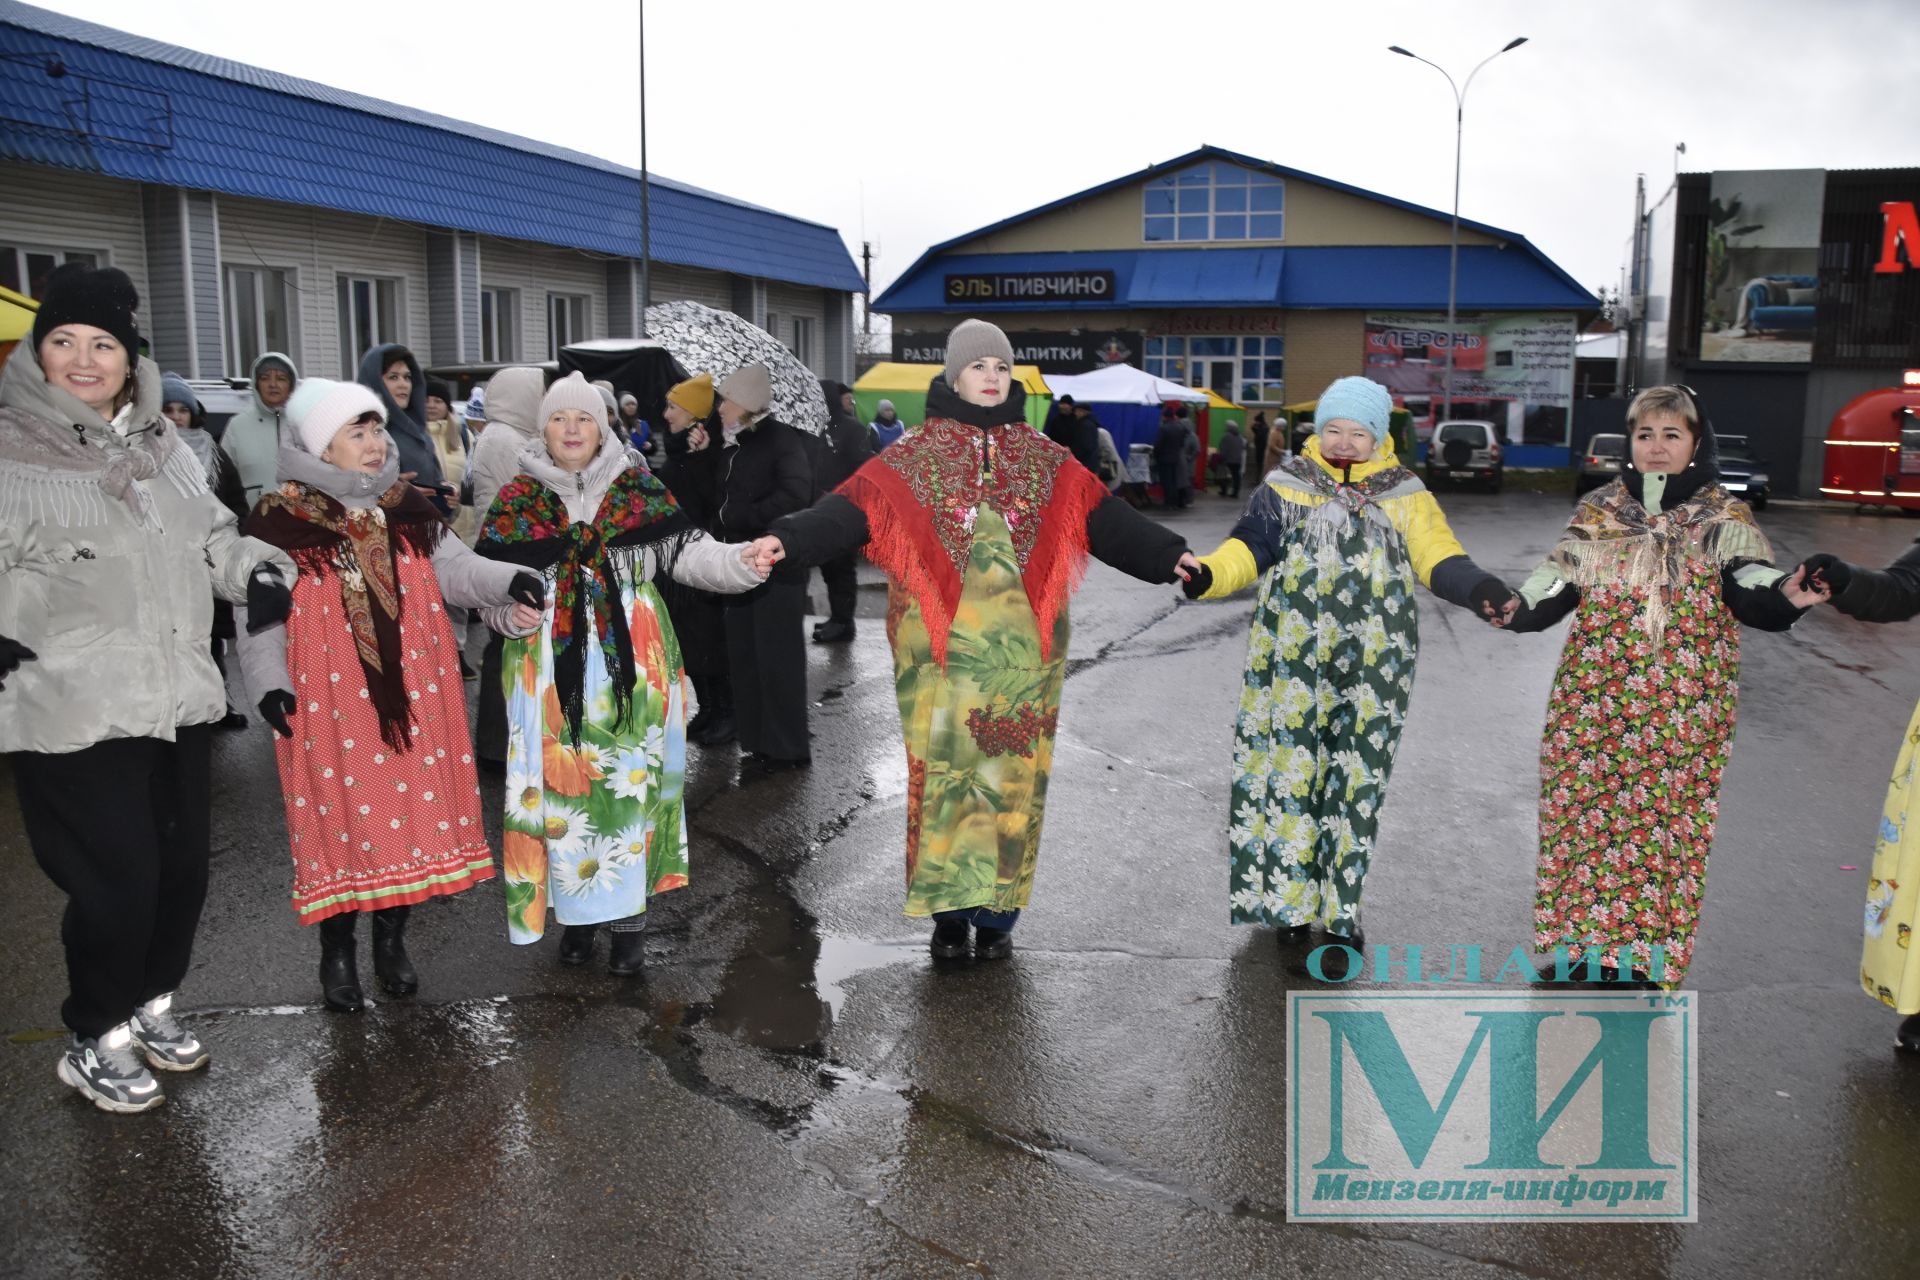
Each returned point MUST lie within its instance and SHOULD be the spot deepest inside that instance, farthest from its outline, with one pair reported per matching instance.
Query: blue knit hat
(1360, 400)
(174, 390)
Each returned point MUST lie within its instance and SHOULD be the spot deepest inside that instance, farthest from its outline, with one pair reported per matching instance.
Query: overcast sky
(909, 123)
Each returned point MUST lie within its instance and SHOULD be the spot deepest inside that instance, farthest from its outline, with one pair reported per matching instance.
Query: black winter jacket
(741, 489)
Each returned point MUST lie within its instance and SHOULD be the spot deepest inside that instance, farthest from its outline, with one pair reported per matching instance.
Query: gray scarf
(590, 485)
(351, 489)
(59, 458)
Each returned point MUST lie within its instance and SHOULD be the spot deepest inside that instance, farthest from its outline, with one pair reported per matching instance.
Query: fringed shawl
(920, 497)
(355, 545)
(1333, 507)
(1612, 541)
(528, 526)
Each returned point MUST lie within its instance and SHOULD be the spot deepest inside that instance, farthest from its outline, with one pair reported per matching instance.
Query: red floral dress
(372, 827)
(1638, 731)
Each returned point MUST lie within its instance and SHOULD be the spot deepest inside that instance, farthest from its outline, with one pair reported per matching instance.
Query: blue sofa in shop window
(1779, 304)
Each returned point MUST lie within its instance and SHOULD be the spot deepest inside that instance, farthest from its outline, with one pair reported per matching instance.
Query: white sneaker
(107, 1074)
(167, 1045)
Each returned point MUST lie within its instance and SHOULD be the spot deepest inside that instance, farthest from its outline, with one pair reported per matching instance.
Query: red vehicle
(1873, 448)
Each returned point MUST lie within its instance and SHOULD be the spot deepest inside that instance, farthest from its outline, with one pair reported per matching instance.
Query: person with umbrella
(756, 472)
(982, 526)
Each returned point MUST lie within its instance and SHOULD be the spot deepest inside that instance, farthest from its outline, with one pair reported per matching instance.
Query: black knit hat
(99, 296)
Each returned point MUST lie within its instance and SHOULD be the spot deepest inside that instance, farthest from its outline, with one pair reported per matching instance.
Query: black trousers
(1232, 478)
(843, 586)
(767, 659)
(122, 827)
(490, 722)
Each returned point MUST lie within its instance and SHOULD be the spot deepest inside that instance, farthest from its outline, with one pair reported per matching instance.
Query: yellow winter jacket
(1236, 565)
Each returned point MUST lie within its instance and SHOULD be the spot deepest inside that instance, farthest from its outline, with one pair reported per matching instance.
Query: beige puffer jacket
(111, 551)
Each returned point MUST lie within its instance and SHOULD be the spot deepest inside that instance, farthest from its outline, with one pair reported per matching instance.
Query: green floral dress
(979, 733)
(1323, 699)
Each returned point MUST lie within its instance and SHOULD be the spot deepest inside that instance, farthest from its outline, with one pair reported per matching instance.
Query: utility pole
(866, 294)
(646, 184)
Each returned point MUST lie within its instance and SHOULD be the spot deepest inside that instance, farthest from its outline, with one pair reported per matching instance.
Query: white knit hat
(319, 407)
(573, 392)
(750, 387)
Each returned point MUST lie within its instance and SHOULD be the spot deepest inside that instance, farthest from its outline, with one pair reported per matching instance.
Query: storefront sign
(1175, 322)
(1052, 350)
(1032, 286)
(1899, 237)
(1514, 370)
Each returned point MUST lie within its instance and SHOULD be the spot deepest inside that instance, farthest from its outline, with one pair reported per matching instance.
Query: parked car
(1465, 449)
(221, 398)
(1743, 473)
(1601, 462)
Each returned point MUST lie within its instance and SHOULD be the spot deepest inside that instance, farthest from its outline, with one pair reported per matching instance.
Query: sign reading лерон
(1514, 1106)
(1031, 286)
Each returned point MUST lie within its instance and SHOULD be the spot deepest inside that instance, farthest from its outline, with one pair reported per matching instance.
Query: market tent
(1127, 402)
(633, 365)
(906, 385)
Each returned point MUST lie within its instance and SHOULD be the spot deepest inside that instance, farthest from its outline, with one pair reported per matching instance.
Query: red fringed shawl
(919, 497)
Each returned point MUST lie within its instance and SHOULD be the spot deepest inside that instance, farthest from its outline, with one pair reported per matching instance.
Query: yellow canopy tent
(16, 319)
(906, 385)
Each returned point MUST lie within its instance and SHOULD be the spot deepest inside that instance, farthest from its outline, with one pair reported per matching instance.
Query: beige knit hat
(573, 392)
(750, 387)
(972, 339)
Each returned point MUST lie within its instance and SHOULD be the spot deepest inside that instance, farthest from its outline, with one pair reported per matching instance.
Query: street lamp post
(1453, 254)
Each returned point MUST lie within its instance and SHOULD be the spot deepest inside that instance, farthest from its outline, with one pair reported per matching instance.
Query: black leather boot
(576, 944)
(1908, 1038)
(992, 944)
(1292, 935)
(950, 939)
(628, 951)
(339, 975)
(703, 692)
(390, 962)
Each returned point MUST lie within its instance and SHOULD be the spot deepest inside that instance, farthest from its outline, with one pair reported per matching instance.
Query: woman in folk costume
(1889, 961)
(596, 707)
(983, 527)
(1659, 569)
(1336, 537)
(363, 685)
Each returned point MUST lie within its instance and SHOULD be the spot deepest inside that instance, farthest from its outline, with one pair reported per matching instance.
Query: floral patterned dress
(979, 733)
(596, 710)
(1890, 964)
(1639, 726)
(1329, 673)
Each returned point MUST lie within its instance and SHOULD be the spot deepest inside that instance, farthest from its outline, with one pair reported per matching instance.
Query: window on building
(1245, 368)
(259, 306)
(566, 321)
(369, 317)
(25, 268)
(802, 344)
(773, 323)
(499, 325)
(1213, 201)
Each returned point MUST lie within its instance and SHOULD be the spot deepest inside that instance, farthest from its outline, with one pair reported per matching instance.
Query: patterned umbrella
(719, 342)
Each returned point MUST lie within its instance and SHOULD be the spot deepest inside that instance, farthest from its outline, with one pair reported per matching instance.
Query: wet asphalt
(793, 1089)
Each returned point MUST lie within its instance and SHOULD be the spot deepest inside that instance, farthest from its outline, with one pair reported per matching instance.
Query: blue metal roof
(1511, 276)
(132, 108)
(1395, 277)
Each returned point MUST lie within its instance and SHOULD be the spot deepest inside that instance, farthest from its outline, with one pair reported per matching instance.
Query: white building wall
(60, 209)
(536, 271)
(319, 246)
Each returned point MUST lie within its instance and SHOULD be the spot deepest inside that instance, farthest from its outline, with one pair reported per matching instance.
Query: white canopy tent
(1121, 384)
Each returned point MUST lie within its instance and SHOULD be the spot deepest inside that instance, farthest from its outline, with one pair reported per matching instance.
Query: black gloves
(1830, 569)
(12, 654)
(269, 599)
(1199, 584)
(1538, 617)
(1489, 596)
(275, 708)
(529, 589)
